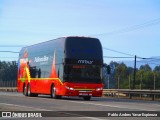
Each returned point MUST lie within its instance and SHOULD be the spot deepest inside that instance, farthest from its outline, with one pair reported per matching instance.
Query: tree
(144, 77)
(121, 75)
(8, 71)
(157, 76)
(157, 69)
(113, 66)
(145, 67)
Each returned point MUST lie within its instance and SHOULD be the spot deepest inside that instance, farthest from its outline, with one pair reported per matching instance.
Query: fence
(152, 82)
(10, 83)
(135, 93)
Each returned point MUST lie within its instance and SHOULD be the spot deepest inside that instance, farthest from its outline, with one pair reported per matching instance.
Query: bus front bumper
(93, 93)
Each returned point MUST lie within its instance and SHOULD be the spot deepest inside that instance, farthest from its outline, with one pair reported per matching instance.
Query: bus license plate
(85, 94)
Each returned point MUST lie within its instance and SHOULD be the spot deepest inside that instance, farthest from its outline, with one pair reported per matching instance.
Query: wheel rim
(53, 92)
(29, 90)
(25, 90)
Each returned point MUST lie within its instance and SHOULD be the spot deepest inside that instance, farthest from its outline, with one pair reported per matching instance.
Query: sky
(123, 26)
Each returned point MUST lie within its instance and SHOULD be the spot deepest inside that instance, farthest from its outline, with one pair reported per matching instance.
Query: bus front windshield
(83, 73)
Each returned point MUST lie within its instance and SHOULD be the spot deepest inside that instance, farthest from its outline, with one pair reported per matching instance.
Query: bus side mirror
(108, 69)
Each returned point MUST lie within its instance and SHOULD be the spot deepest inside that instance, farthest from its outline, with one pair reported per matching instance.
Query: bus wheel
(53, 92)
(87, 97)
(29, 91)
(25, 92)
(30, 94)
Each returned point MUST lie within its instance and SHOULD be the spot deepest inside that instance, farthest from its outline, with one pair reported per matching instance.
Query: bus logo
(85, 62)
(41, 59)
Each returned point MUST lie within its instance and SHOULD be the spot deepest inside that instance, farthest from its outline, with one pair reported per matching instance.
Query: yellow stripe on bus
(28, 74)
(44, 79)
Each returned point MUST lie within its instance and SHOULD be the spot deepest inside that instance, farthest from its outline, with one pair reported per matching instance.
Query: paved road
(13, 101)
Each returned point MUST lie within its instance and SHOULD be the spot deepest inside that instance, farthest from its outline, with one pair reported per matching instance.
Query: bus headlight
(69, 88)
(98, 89)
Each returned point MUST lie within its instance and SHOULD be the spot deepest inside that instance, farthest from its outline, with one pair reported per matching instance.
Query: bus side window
(39, 73)
(58, 73)
(66, 72)
(33, 71)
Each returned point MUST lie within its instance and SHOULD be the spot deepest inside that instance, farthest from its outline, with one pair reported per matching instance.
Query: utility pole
(118, 82)
(141, 82)
(108, 73)
(129, 82)
(134, 80)
(154, 81)
(108, 81)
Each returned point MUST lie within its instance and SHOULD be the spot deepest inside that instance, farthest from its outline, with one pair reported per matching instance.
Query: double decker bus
(67, 66)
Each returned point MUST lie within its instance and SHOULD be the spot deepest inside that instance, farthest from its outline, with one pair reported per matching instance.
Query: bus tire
(25, 91)
(29, 91)
(87, 98)
(30, 94)
(53, 93)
